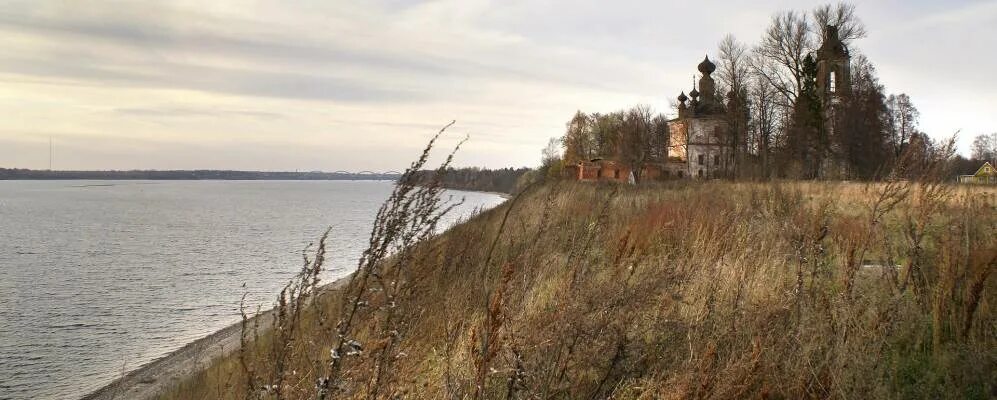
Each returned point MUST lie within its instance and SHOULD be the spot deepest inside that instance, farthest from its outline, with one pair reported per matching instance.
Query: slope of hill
(685, 290)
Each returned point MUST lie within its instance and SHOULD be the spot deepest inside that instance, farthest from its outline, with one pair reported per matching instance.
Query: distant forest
(504, 180)
(9, 174)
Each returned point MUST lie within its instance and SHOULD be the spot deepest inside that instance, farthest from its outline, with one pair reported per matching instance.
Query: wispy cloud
(185, 112)
(366, 82)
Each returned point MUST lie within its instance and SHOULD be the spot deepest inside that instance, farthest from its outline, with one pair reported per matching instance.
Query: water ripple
(98, 279)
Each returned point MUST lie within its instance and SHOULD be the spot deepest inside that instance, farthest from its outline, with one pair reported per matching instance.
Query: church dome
(707, 67)
(694, 93)
(682, 97)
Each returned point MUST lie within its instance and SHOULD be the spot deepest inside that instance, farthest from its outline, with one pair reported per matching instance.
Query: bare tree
(842, 15)
(781, 53)
(733, 64)
(985, 147)
(901, 120)
(550, 159)
(637, 139)
(764, 120)
(782, 60)
(550, 152)
(660, 136)
(733, 74)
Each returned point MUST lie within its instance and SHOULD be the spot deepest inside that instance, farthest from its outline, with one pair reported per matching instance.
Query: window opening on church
(832, 81)
(616, 174)
(716, 160)
(702, 159)
(700, 173)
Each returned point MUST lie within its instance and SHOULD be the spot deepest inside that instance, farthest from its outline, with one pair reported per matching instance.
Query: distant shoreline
(29, 174)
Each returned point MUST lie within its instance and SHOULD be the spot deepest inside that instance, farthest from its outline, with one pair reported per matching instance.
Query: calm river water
(99, 277)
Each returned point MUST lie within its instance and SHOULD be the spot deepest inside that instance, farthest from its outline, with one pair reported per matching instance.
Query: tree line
(503, 180)
(774, 104)
(634, 136)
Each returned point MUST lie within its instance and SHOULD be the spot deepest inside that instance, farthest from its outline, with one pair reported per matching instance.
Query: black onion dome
(682, 97)
(707, 67)
(694, 93)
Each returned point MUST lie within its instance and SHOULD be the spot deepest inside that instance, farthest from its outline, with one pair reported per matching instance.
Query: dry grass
(718, 290)
(679, 290)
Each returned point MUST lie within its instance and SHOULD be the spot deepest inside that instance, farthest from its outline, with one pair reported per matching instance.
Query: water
(100, 277)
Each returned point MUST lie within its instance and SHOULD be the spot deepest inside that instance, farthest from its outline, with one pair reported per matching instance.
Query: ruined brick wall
(602, 170)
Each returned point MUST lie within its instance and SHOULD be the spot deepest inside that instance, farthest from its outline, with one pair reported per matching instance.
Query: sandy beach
(155, 377)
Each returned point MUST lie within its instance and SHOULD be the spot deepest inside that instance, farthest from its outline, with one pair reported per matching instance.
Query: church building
(701, 144)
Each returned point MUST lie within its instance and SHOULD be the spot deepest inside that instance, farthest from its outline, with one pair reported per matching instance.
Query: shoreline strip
(161, 374)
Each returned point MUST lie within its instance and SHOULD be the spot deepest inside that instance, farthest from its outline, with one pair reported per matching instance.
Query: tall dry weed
(680, 290)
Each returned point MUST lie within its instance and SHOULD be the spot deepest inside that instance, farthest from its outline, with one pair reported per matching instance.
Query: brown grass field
(779, 290)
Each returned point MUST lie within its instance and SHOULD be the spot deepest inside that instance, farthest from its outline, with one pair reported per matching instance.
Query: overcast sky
(361, 85)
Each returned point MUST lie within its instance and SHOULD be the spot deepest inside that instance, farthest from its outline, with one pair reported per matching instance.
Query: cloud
(397, 62)
(359, 79)
(186, 112)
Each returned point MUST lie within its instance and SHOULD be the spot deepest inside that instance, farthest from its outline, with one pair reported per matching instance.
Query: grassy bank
(681, 290)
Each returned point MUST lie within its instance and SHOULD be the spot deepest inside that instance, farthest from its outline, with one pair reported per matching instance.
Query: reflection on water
(99, 277)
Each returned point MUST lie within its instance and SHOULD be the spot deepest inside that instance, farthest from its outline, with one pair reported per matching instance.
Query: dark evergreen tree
(806, 141)
(860, 131)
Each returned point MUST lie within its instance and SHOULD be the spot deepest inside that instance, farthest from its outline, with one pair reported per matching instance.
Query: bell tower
(834, 71)
(834, 86)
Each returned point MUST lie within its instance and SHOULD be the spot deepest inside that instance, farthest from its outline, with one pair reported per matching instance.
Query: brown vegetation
(679, 290)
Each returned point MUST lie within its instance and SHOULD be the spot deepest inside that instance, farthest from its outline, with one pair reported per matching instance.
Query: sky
(346, 85)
